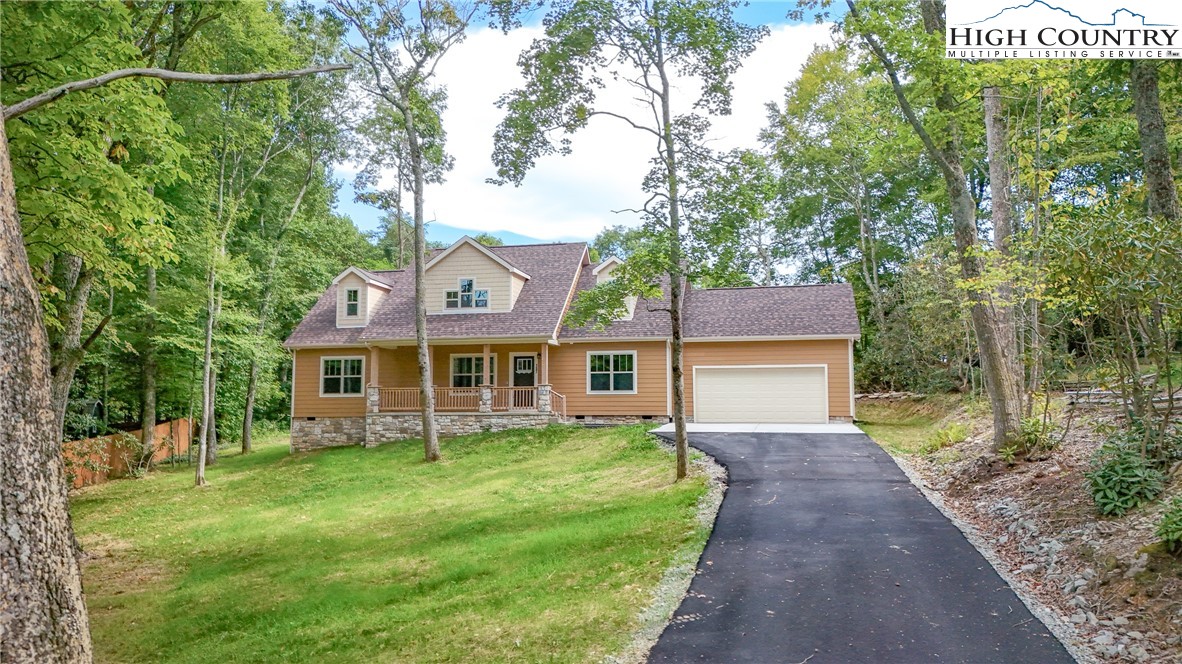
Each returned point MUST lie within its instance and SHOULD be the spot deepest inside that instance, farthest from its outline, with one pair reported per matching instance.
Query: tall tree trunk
(1155, 150)
(1002, 385)
(66, 348)
(426, 391)
(211, 450)
(42, 611)
(1011, 383)
(206, 375)
(148, 367)
(676, 271)
(265, 300)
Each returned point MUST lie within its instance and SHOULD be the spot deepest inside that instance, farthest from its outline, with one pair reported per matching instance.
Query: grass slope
(904, 426)
(530, 546)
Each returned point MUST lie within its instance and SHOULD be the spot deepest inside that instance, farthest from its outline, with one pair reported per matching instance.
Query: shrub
(1121, 479)
(1036, 435)
(950, 435)
(1170, 527)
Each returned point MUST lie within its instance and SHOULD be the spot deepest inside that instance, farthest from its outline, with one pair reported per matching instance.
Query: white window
(341, 376)
(467, 297)
(468, 370)
(351, 301)
(611, 372)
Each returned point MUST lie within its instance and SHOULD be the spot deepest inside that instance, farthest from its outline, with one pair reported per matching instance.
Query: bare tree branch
(37, 101)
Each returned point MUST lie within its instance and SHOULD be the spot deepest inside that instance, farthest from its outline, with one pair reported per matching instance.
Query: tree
(890, 30)
(403, 43)
(643, 45)
(619, 241)
(488, 240)
(44, 617)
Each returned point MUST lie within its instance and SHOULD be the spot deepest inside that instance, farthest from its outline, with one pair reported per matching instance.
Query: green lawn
(905, 426)
(529, 546)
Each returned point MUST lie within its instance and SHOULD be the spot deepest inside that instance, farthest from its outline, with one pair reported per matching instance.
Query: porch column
(372, 397)
(373, 365)
(544, 370)
(484, 378)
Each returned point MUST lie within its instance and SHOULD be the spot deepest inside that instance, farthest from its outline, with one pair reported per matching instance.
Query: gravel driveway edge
(674, 584)
(1062, 630)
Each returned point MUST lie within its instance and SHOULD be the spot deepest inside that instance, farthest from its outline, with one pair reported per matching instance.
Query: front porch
(468, 378)
(484, 399)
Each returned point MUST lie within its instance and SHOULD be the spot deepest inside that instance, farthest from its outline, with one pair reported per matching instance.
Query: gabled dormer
(604, 272)
(358, 294)
(470, 278)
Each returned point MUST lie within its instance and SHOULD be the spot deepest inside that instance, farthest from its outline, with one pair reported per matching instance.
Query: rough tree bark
(1003, 387)
(1155, 150)
(42, 612)
(1011, 382)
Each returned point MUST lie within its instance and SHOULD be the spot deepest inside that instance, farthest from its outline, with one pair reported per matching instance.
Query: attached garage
(761, 393)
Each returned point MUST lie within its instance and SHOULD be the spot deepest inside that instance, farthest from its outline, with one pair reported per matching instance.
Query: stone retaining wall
(326, 432)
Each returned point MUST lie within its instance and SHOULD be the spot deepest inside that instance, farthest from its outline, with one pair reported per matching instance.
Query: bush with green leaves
(1169, 529)
(1036, 435)
(946, 437)
(1122, 479)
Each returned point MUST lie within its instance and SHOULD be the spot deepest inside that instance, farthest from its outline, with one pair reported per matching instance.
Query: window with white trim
(468, 370)
(341, 376)
(611, 372)
(467, 297)
(352, 300)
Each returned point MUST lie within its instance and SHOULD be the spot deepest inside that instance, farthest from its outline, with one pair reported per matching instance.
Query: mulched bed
(1106, 576)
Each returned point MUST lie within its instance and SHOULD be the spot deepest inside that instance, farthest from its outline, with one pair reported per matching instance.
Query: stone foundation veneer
(389, 427)
(326, 432)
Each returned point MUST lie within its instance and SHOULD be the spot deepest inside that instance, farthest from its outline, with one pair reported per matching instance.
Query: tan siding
(373, 295)
(832, 352)
(467, 262)
(363, 297)
(516, 283)
(568, 374)
(306, 394)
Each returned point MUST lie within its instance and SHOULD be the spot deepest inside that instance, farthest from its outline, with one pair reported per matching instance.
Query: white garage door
(760, 394)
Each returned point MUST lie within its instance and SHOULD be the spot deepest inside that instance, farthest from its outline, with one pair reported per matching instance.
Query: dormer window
(352, 298)
(467, 297)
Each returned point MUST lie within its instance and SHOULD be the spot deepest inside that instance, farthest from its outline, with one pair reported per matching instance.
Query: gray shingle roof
(645, 321)
(539, 308)
(778, 311)
(771, 311)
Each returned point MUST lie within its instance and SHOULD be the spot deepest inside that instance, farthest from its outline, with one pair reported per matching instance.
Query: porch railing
(467, 399)
(457, 399)
(514, 398)
(398, 398)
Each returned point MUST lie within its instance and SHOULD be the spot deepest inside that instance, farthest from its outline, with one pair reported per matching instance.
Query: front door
(525, 374)
(524, 371)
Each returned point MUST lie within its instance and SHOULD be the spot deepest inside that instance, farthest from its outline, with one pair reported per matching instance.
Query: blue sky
(571, 197)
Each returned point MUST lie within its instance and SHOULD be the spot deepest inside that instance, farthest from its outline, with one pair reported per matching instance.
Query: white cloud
(573, 196)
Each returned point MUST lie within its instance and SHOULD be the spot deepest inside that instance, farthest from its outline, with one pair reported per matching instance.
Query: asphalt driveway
(823, 551)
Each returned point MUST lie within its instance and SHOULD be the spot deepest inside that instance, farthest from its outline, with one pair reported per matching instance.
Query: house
(502, 358)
